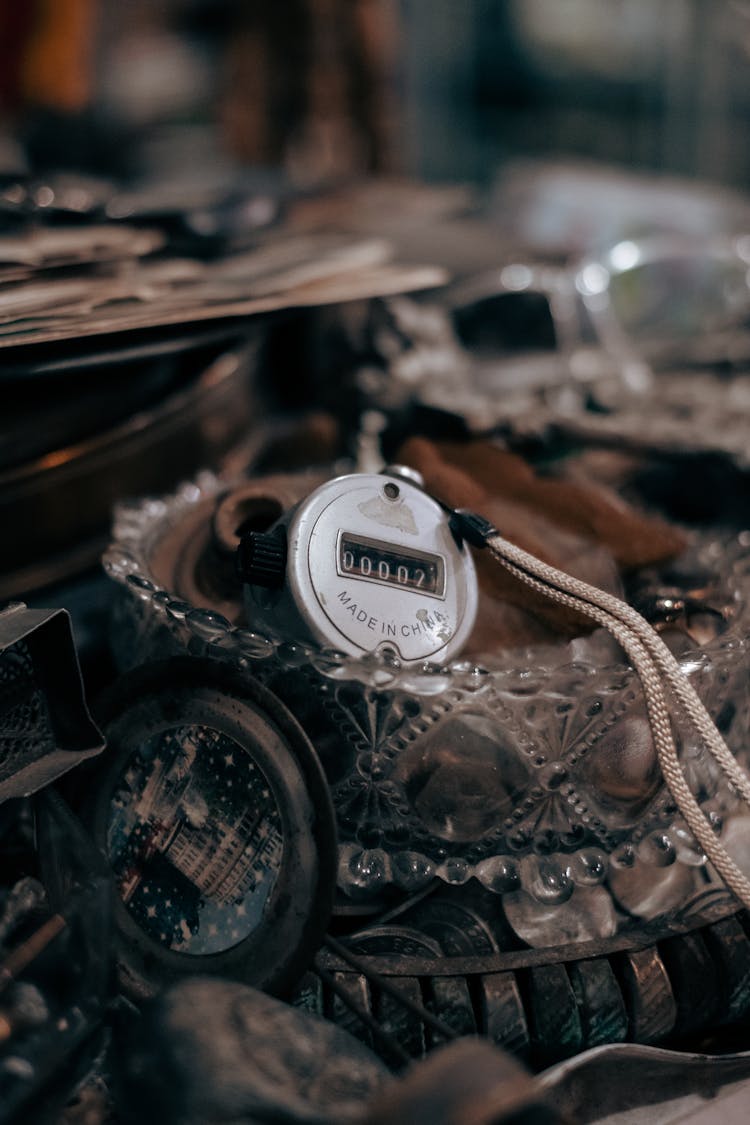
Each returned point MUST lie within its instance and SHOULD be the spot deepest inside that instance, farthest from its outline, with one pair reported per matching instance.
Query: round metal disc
(215, 817)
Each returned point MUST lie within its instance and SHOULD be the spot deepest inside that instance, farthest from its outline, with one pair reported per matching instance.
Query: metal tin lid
(214, 814)
(45, 725)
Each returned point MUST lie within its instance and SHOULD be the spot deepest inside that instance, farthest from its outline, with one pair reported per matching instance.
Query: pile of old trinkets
(413, 852)
(407, 837)
(446, 848)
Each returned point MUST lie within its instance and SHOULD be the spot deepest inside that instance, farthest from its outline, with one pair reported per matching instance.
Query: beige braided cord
(652, 660)
(692, 704)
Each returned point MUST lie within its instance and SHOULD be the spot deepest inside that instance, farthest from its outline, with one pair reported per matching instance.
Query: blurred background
(324, 89)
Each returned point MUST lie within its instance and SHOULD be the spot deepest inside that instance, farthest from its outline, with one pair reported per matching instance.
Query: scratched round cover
(214, 815)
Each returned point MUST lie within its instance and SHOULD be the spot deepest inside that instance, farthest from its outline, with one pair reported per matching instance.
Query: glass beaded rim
(139, 525)
(138, 529)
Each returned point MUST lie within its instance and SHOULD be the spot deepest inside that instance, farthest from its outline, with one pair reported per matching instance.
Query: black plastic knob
(261, 559)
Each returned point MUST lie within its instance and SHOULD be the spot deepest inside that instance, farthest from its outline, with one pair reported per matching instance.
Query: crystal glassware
(533, 772)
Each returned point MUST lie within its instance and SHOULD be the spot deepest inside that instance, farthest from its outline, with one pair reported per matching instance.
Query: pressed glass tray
(532, 772)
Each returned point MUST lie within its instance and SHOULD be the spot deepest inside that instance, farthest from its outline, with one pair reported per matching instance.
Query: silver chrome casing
(360, 614)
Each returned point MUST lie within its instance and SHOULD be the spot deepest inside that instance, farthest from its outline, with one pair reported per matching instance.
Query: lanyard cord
(654, 665)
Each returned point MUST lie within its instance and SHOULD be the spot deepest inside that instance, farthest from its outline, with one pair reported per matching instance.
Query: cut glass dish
(533, 773)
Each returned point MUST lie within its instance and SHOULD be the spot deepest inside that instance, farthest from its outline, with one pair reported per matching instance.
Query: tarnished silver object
(460, 930)
(395, 941)
(649, 996)
(213, 812)
(45, 725)
(547, 1005)
(502, 1014)
(368, 563)
(611, 1085)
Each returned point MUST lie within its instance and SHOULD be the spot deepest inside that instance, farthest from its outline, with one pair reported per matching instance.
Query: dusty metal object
(458, 929)
(650, 1001)
(555, 1020)
(695, 980)
(729, 946)
(450, 999)
(45, 725)
(210, 1051)
(600, 1002)
(502, 1015)
(395, 941)
(357, 989)
(214, 813)
(547, 1005)
(410, 806)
